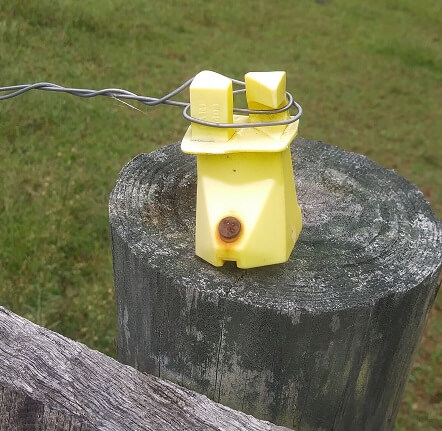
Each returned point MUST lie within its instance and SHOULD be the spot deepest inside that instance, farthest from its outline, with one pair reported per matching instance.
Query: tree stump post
(322, 342)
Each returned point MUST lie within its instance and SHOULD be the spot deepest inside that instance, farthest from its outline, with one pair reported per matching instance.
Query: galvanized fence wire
(17, 90)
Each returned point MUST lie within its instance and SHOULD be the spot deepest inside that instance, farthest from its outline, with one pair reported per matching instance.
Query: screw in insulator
(229, 228)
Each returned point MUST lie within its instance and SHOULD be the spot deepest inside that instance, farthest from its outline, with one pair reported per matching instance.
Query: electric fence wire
(17, 90)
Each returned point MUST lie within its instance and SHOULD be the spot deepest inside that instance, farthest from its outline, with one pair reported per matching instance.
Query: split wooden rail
(48, 382)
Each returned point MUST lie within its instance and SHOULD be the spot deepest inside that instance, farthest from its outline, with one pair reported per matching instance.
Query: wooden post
(322, 342)
(48, 382)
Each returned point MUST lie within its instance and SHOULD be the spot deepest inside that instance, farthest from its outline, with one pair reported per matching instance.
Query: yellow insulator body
(246, 174)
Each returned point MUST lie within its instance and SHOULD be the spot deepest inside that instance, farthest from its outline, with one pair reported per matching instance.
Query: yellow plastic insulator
(246, 208)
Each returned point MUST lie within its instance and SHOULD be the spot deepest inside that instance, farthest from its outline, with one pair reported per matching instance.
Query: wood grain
(322, 342)
(48, 382)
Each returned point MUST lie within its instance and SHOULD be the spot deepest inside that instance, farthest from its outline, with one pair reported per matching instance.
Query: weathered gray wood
(20, 412)
(48, 382)
(323, 342)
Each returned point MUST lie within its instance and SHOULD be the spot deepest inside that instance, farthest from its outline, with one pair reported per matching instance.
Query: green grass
(367, 74)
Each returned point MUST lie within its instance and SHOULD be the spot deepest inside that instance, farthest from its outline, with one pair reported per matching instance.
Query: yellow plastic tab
(248, 176)
(211, 99)
(264, 90)
(267, 88)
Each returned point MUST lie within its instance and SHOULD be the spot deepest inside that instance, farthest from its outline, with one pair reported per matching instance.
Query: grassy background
(367, 74)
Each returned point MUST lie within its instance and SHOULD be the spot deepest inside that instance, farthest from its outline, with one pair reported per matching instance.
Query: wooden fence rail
(48, 382)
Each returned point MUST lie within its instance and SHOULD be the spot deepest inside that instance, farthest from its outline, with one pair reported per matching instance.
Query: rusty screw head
(229, 228)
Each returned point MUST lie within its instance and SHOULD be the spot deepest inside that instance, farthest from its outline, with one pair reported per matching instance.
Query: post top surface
(367, 232)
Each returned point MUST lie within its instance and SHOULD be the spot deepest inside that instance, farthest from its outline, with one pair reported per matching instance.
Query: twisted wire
(17, 90)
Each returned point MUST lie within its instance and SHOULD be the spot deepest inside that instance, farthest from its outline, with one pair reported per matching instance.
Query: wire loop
(248, 125)
(17, 90)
